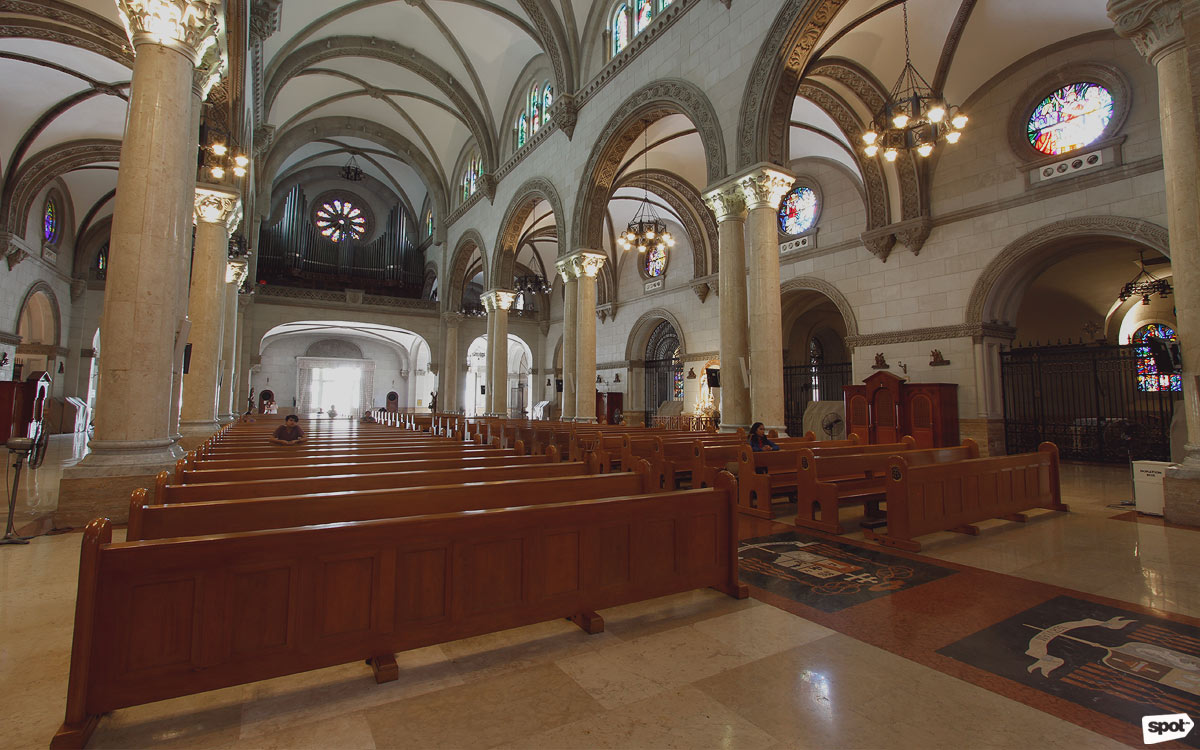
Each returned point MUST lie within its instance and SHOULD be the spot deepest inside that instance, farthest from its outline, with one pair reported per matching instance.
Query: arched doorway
(38, 327)
(816, 360)
(520, 377)
(664, 373)
(1093, 373)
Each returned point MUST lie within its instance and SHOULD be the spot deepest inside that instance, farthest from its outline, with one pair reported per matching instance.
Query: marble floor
(694, 670)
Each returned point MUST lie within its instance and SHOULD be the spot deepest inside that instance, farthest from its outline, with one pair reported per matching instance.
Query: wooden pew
(757, 488)
(173, 617)
(167, 493)
(826, 482)
(281, 511)
(496, 458)
(674, 455)
(284, 459)
(952, 497)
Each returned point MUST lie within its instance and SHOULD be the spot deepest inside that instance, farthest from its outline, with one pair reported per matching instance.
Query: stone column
(183, 254)
(570, 319)
(149, 227)
(489, 362)
(498, 302)
(448, 387)
(585, 265)
(728, 204)
(1156, 28)
(764, 187)
(227, 406)
(218, 212)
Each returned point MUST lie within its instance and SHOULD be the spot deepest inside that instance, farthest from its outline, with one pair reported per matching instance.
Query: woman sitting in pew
(759, 441)
(288, 433)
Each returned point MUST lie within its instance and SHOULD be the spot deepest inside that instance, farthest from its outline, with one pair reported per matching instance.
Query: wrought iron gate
(664, 379)
(802, 382)
(1087, 401)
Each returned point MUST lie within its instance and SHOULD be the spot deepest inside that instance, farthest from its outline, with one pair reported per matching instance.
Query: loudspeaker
(187, 358)
(558, 385)
(483, 390)
(714, 377)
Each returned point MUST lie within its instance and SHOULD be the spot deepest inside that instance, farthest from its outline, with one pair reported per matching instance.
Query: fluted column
(149, 227)
(218, 212)
(498, 302)
(728, 204)
(763, 188)
(570, 319)
(227, 406)
(448, 386)
(1157, 30)
(585, 266)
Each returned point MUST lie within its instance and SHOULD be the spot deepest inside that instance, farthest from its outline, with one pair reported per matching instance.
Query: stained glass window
(677, 378)
(428, 223)
(102, 262)
(547, 98)
(50, 222)
(620, 28)
(798, 211)
(1148, 376)
(656, 260)
(470, 178)
(341, 220)
(645, 14)
(521, 130)
(1070, 118)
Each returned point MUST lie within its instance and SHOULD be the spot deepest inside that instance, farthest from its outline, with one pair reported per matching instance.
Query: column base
(733, 427)
(100, 484)
(227, 418)
(195, 432)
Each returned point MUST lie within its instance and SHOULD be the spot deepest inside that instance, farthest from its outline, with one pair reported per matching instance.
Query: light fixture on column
(1145, 284)
(533, 283)
(646, 230)
(218, 161)
(914, 117)
(352, 171)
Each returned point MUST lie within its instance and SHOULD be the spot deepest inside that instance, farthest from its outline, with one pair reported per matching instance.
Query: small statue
(433, 402)
(936, 359)
(880, 363)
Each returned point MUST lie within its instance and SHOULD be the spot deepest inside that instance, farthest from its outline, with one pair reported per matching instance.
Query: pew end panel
(733, 585)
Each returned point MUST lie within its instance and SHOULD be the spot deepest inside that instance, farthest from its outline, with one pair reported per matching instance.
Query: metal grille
(1085, 400)
(660, 383)
(799, 384)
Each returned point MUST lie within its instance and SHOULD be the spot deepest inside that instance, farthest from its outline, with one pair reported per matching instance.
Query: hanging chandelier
(533, 283)
(913, 117)
(646, 230)
(1145, 284)
(352, 171)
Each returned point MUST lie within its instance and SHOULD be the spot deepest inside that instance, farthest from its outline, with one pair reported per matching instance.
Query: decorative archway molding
(41, 287)
(527, 196)
(331, 127)
(829, 291)
(643, 327)
(44, 166)
(685, 201)
(767, 105)
(670, 96)
(468, 242)
(1026, 257)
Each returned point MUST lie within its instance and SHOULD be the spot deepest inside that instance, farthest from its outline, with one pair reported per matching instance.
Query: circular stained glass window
(798, 211)
(50, 222)
(340, 220)
(1070, 118)
(656, 260)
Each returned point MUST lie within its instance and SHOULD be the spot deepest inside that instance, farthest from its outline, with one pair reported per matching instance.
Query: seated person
(367, 418)
(288, 433)
(759, 441)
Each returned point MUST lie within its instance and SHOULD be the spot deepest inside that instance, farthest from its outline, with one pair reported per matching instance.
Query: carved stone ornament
(14, 249)
(582, 264)
(78, 287)
(498, 299)
(765, 187)
(188, 26)
(487, 183)
(264, 19)
(936, 359)
(727, 202)
(235, 271)
(1154, 26)
(702, 289)
(216, 205)
(565, 113)
(880, 362)
(879, 241)
(913, 233)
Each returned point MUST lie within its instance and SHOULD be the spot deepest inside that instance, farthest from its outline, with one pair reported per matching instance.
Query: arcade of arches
(329, 208)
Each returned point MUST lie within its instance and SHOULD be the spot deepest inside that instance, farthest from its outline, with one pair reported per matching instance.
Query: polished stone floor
(694, 670)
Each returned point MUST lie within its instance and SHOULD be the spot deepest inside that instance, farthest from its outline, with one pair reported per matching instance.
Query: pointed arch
(531, 192)
(460, 260)
(44, 166)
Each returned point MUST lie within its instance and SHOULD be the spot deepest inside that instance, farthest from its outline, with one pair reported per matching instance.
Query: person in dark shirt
(758, 439)
(288, 433)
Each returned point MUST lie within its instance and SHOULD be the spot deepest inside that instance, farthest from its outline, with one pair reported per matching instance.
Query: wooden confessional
(887, 407)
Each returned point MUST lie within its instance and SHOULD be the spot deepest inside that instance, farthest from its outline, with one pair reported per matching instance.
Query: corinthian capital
(235, 271)
(188, 26)
(581, 264)
(726, 202)
(1154, 26)
(498, 299)
(764, 186)
(216, 205)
